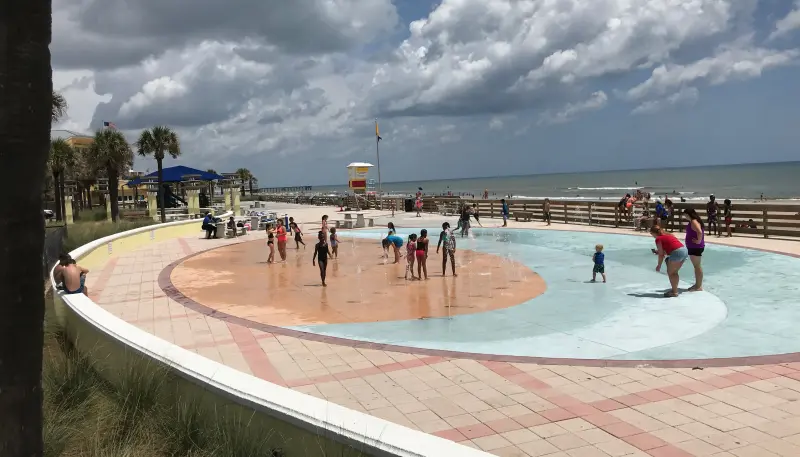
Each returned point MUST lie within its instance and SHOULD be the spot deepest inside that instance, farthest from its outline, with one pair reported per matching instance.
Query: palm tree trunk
(89, 196)
(161, 191)
(57, 195)
(113, 192)
(26, 91)
(63, 203)
(251, 186)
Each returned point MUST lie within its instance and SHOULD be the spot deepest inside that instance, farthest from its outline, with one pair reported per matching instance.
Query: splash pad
(519, 293)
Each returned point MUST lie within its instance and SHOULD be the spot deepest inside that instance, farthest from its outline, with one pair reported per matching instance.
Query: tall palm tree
(211, 187)
(244, 176)
(253, 183)
(85, 173)
(111, 152)
(58, 107)
(62, 157)
(26, 91)
(157, 142)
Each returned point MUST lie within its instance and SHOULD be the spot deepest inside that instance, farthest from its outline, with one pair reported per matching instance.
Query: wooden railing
(766, 219)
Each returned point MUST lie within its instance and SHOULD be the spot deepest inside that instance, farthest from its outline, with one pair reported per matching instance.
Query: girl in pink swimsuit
(411, 247)
(422, 254)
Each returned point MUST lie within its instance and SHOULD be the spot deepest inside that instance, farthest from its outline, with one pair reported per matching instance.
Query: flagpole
(378, 153)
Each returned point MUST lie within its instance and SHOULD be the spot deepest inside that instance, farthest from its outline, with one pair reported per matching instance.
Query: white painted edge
(301, 409)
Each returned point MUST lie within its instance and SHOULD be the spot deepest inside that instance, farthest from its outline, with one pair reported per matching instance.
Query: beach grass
(133, 413)
(82, 233)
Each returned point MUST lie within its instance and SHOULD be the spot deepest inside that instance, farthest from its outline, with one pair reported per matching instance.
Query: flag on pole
(109, 125)
(377, 132)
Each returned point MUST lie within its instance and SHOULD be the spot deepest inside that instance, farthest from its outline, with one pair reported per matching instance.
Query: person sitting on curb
(74, 277)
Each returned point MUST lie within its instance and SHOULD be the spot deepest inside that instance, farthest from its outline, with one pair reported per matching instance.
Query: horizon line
(575, 172)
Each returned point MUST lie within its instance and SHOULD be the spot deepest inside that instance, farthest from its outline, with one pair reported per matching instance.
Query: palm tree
(211, 186)
(62, 157)
(253, 183)
(158, 141)
(26, 90)
(111, 152)
(244, 176)
(58, 108)
(85, 174)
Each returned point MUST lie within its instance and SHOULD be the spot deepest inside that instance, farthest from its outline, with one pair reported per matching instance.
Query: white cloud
(495, 123)
(788, 24)
(518, 50)
(725, 65)
(236, 89)
(595, 102)
(78, 88)
(685, 96)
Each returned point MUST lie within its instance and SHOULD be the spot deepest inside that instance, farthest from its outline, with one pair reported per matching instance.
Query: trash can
(409, 205)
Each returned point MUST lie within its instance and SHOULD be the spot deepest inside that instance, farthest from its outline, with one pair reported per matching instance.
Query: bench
(344, 223)
(526, 216)
(240, 231)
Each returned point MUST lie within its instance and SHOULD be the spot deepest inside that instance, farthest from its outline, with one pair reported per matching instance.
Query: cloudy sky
(461, 88)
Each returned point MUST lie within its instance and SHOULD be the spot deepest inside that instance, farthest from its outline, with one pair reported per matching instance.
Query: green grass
(139, 411)
(81, 233)
(138, 416)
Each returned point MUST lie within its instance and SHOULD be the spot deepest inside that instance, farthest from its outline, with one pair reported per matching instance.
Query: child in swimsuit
(599, 260)
(447, 239)
(321, 253)
(728, 216)
(411, 247)
(324, 227)
(334, 243)
(298, 235)
(271, 243)
(422, 254)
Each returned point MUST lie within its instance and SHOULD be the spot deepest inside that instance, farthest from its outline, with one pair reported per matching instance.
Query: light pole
(378, 153)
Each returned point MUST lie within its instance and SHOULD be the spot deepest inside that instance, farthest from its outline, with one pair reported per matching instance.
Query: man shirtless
(73, 277)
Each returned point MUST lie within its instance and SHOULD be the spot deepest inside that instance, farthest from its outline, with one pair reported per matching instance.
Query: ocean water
(737, 182)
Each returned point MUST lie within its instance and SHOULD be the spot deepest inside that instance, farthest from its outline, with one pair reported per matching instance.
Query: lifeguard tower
(357, 179)
(357, 176)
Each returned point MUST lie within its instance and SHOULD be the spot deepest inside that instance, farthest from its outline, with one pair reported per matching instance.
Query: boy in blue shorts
(599, 263)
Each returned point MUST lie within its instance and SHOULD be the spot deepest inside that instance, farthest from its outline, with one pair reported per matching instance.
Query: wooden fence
(766, 219)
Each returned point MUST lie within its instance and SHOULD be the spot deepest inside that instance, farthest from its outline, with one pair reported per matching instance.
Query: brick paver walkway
(508, 409)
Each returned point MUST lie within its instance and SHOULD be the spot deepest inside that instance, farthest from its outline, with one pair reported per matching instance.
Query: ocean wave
(605, 188)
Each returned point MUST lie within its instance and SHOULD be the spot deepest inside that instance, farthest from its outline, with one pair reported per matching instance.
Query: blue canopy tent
(176, 174)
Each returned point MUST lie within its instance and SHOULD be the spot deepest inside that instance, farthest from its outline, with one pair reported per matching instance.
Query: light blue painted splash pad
(749, 307)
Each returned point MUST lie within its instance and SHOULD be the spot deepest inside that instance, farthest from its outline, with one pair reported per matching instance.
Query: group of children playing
(417, 250)
(322, 250)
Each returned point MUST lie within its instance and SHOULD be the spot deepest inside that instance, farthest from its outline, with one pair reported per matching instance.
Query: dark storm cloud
(112, 33)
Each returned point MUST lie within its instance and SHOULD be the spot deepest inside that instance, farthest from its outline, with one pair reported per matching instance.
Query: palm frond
(62, 156)
(59, 107)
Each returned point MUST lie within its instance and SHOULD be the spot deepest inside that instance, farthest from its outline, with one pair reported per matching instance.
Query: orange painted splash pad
(237, 280)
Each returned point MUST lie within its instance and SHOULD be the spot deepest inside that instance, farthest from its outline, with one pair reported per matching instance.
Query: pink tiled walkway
(508, 409)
